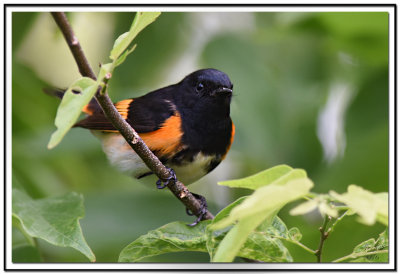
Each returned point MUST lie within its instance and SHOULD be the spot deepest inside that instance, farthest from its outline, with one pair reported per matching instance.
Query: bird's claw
(202, 212)
(172, 178)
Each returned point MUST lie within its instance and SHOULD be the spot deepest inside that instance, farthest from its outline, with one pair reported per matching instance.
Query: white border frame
(222, 266)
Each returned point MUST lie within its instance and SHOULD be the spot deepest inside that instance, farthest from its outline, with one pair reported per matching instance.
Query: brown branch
(130, 135)
(74, 46)
(324, 236)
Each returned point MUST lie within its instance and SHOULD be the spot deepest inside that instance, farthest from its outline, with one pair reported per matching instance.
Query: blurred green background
(311, 91)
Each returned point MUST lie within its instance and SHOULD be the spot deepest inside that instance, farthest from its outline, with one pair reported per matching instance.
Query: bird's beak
(224, 91)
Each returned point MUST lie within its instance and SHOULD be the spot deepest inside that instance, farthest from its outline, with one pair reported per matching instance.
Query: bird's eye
(199, 87)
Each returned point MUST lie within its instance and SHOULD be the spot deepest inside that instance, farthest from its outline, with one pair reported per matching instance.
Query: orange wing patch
(123, 107)
(167, 139)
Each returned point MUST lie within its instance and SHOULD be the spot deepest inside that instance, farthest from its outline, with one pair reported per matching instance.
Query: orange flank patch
(123, 107)
(86, 109)
(230, 144)
(167, 139)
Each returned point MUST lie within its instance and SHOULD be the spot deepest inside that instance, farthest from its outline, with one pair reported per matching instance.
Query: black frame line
(5, 6)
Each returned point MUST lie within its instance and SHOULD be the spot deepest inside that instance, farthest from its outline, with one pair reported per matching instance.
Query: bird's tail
(90, 108)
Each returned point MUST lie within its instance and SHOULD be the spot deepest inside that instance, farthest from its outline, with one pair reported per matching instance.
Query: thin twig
(130, 135)
(337, 221)
(324, 235)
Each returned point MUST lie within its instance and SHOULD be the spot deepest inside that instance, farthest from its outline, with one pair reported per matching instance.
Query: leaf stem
(306, 248)
(153, 163)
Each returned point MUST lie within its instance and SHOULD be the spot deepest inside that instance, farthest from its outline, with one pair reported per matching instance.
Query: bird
(187, 125)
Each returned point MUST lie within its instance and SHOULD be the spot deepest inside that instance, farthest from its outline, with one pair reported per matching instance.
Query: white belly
(121, 155)
(190, 172)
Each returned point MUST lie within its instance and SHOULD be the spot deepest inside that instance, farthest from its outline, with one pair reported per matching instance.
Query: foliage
(368, 205)
(249, 227)
(369, 251)
(281, 90)
(173, 237)
(52, 219)
(73, 102)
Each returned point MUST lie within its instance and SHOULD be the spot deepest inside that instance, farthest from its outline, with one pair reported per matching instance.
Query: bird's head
(209, 85)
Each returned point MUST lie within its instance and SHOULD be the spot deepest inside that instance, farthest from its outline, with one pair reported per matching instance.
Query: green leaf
(264, 244)
(327, 209)
(142, 20)
(70, 108)
(320, 202)
(275, 175)
(305, 207)
(227, 210)
(55, 220)
(294, 234)
(173, 237)
(235, 238)
(123, 56)
(371, 251)
(371, 207)
(17, 224)
(267, 199)
(260, 207)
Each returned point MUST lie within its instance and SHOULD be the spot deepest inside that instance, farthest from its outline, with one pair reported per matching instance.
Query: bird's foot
(203, 209)
(172, 178)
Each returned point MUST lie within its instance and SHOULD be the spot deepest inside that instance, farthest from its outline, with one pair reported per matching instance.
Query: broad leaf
(371, 251)
(267, 199)
(233, 241)
(70, 108)
(371, 207)
(275, 175)
(263, 244)
(142, 20)
(173, 237)
(305, 207)
(227, 210)
(320, 203)
(256, 209)
(55, 220)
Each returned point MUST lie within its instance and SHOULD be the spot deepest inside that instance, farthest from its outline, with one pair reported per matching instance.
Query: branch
(131, 136)
(324, 235)
(74, 46)
(337, 221)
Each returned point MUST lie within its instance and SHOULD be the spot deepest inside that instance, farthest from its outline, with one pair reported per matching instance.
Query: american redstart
(186, 125)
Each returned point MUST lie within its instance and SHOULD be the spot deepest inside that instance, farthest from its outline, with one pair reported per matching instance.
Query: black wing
(145, 114)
